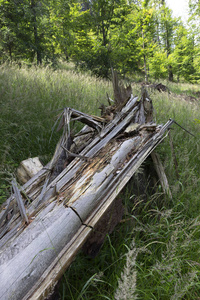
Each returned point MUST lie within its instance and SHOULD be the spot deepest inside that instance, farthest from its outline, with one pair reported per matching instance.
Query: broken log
(62, 211)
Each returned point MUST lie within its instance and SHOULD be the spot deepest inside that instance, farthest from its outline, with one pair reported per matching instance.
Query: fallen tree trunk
(62, 209)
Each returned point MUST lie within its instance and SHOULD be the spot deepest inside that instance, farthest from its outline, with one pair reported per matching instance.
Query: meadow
(154, 253)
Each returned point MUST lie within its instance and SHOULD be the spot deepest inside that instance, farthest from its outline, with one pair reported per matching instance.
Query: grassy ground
(154, 253)
(30, 100)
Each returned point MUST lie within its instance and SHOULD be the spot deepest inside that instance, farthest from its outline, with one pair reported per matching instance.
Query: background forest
(131, 36)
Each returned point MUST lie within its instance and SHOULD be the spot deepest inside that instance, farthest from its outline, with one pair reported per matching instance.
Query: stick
(183, 128)
(161, 173)
(75, 155)
(20, 201)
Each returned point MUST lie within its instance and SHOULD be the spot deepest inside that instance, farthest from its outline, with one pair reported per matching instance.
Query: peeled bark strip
(62, 211)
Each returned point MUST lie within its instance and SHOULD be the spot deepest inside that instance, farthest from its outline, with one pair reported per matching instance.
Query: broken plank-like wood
(45, 237)
(106, 176)
(32, 185)
(46, 283)
(64, 179)
(119, 116)
(97, 143)
(20, 202)
(68, 252)
(68, 113)
(120, 180)
(161, 173)
(38, 245)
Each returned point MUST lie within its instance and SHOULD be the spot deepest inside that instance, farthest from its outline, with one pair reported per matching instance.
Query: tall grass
(30, 100)
(154, 252)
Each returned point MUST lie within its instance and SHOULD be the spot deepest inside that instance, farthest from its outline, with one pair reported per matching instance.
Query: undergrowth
(30, 101)
(154, 252)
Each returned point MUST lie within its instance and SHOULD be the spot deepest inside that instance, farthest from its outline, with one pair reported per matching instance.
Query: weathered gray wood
(92, 121)
(33, 186)
(28, 168)
(120, 92)
(161, 173)
(26, 258)
(97, 143)
(33, 256)
(45, 237)
(20, 202)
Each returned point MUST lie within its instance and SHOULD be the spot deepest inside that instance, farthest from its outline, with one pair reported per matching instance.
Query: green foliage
(94, 48)
(197, 121)
(158, 65)
(184, 54)
(194, 7)
(131, 36)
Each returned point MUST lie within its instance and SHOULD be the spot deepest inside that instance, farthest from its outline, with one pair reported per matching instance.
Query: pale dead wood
(28, 168)
(161, 173)
(62, 210)
(20, 202)
(121, 93)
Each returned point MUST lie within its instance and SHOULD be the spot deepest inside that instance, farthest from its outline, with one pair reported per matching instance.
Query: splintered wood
(45, 225)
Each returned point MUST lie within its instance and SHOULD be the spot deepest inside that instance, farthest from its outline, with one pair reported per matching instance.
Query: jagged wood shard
(61, 209)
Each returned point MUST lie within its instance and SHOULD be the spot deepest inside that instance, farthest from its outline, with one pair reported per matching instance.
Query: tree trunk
(168, 46)
(35, 31)
(61, 213)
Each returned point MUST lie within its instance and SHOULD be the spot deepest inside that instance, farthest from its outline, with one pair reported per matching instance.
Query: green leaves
(130, 36)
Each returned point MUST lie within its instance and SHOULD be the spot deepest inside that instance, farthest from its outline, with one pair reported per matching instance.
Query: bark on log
(62, 213)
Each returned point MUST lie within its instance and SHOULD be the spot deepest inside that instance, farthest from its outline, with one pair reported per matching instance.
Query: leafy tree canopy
(132, 36)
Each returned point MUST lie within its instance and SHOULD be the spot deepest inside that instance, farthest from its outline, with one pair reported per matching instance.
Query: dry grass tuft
(127, 283)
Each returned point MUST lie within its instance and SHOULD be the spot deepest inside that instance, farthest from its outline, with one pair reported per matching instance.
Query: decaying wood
(161, 173)
(63, 208)
(120, 92)
(157, 86)
(160, 87)
(28, 168)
